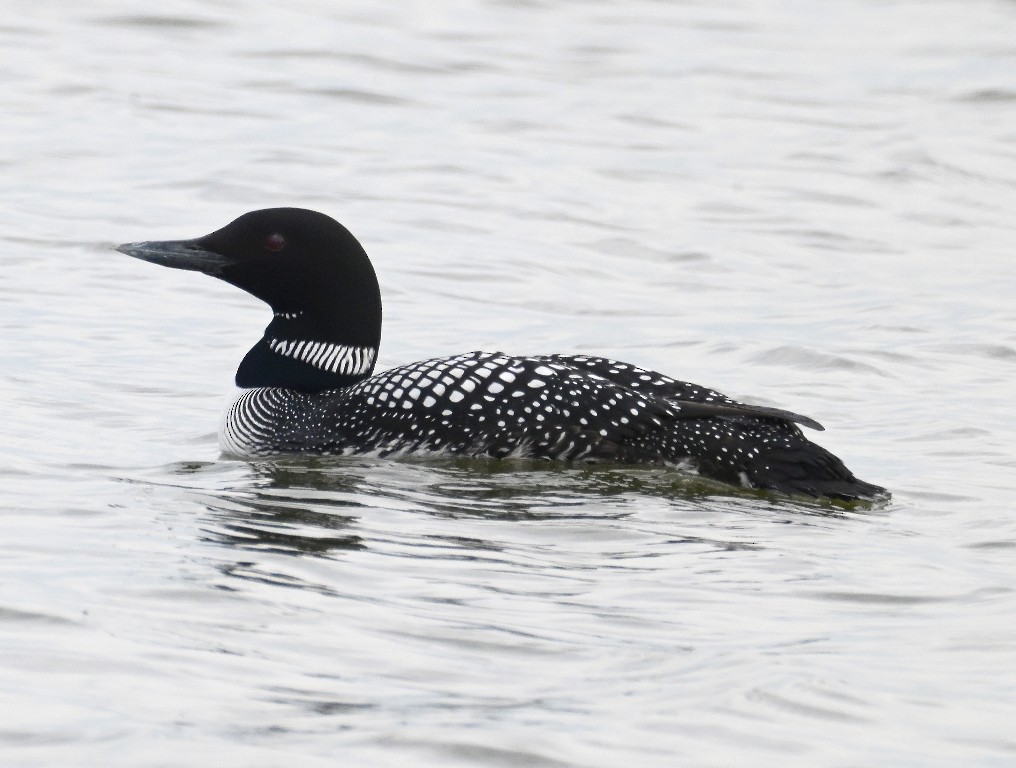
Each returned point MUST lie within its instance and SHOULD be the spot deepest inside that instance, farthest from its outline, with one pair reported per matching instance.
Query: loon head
(318, 281)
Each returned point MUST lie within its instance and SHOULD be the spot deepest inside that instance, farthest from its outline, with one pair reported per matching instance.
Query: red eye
(275, 242)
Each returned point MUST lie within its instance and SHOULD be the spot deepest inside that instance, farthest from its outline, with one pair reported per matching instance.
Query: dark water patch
(1000, 96)
(882, 598)
(155, 21)
(9, 616)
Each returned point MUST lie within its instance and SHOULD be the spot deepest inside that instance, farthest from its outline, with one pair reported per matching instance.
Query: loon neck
(300, 352)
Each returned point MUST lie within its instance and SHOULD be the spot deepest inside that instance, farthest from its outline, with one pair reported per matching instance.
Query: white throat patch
(335, 358)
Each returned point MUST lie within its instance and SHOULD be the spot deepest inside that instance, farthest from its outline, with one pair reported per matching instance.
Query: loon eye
(275, 242)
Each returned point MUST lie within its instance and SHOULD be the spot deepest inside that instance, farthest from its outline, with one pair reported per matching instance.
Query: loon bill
(310, 389)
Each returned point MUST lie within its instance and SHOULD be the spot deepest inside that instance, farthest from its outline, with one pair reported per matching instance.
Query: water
(805, 203)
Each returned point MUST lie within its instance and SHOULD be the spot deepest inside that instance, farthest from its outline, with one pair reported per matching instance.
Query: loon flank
(309, 389)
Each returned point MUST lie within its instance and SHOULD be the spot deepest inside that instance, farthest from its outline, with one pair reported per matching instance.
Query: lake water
(807, 203)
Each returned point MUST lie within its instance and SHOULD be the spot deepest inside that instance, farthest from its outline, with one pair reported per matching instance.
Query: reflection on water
(279, 513)
(316, 506)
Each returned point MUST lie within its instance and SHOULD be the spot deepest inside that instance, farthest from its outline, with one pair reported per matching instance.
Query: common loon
(309, 387)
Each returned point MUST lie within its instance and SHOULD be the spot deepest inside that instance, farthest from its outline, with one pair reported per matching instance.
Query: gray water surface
(806, 204)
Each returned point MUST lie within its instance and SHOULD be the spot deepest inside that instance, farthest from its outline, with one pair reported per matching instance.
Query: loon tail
(800, 467)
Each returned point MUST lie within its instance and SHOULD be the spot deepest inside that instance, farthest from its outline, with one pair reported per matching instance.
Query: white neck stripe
(335, 358)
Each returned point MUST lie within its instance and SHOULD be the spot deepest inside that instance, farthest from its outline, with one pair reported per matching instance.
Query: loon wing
(694, 401)
(492, 404)
(504, 405)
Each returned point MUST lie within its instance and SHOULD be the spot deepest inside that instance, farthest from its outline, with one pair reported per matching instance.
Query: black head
(318, 281)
